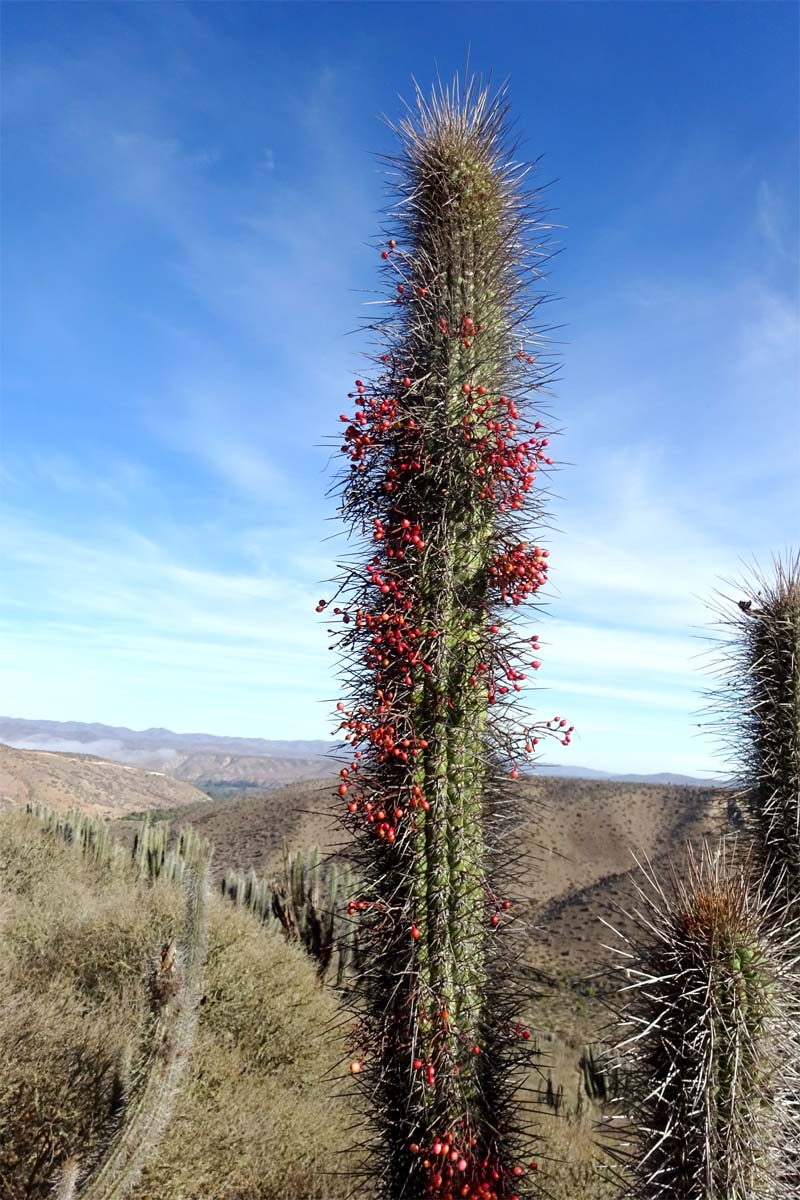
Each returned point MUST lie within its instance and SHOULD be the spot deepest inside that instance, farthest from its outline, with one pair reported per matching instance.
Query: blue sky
(191, 212)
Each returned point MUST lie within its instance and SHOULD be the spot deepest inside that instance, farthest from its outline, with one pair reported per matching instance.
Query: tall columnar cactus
(150, 848)
(759, 710)
(709, 1030)
(442, 454)
(176, 986)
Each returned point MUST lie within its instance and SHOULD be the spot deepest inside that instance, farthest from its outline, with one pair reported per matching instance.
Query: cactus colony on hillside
(308, 905)
(442, 454)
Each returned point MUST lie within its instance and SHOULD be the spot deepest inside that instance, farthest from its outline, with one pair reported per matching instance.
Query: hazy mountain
(200, 758)
(661, 777)
(206, 759)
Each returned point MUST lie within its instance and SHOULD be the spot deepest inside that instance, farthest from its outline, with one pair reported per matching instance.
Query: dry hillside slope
(580, 837)
(584, 866)
(93, 785)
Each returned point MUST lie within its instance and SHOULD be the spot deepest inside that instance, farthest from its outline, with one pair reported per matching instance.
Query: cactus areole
(442, 457)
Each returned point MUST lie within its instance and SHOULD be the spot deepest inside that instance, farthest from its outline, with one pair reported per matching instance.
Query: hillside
(577, 836)
(105, 789)
(70, 1021)
(577, 832)
(200, 758)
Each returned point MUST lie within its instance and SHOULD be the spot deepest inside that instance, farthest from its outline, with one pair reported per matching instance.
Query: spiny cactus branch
(708, 1020)
(757, 713)
(176, 991)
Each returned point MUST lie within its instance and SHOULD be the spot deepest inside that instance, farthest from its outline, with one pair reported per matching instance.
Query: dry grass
(253, 1122)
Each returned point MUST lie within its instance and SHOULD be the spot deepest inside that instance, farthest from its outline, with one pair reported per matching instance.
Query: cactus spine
(709, 1027)
(442, 456)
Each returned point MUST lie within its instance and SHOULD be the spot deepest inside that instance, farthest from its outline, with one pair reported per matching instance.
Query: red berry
(392, 244)
(384, 254)
(415, 933)
(417, 1065)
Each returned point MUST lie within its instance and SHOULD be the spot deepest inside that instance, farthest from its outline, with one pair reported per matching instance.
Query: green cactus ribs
(443, 455)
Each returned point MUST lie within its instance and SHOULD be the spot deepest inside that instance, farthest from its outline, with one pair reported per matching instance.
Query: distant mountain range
(205, 759)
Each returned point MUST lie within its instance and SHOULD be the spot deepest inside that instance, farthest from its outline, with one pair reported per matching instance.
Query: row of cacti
(90, 834)
(310, 904)
(150, 853)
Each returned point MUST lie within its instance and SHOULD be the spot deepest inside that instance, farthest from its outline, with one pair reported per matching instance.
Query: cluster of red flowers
(367, 432)
(507, 466)
(456, 1171)
(520, 572)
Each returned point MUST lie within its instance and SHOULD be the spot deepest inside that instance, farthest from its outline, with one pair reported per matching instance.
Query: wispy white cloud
(771, 214)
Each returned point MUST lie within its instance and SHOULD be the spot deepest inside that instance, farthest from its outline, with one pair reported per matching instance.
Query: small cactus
(150, 848)
(601, 1072)
(709, 1027)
